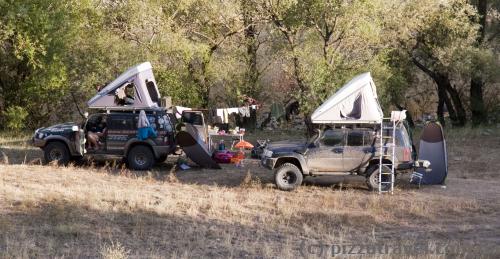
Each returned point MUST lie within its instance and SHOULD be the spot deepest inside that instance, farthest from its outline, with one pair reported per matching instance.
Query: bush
(16, 117)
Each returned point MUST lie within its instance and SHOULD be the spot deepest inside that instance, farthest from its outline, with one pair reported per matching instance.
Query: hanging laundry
(225, 117)
(244, 111)
(232, 110)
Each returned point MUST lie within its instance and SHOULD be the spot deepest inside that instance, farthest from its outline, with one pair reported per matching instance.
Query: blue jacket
(145, 133)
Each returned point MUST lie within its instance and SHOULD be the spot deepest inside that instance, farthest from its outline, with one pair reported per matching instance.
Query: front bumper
(38, 142)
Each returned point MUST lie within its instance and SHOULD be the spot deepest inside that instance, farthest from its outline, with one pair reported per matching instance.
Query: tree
(438, 41)
(35, 37)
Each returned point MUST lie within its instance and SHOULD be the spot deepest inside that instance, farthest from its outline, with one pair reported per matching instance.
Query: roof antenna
(76, 104)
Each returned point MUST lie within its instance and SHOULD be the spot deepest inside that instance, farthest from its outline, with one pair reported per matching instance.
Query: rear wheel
(140, 158)
(288, 177)
(58, 152)
(372, 177)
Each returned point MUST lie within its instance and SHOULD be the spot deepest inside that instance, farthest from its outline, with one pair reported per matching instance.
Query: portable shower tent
(356, 102)
(141, 79)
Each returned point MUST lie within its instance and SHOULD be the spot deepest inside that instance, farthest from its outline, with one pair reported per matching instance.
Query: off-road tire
(140, 158)
(372, 177)
(288, 177)
(56, 151)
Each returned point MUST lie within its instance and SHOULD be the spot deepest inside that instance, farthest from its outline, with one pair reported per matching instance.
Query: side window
(192, 118)
(167, 124)
(164, 123)
(93, 121)
(121, 123)
(355, 138)
(150, 85)
(369, 136)
(151, 119)
(332, 138)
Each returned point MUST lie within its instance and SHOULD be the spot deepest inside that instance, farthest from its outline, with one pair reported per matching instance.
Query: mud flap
(195, 148)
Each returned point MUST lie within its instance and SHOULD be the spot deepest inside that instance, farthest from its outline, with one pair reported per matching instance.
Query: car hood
(286, 146)
(67, 126)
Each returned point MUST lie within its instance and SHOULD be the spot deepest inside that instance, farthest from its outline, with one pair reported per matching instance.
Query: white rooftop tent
(356, 102)
(145, 91)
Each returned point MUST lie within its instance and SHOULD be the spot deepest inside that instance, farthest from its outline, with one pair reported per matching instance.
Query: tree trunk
(476, 101)
(457, 104)
(456, 109)
(443, 83)
(440, 107)
(476, 84)
(252, 74)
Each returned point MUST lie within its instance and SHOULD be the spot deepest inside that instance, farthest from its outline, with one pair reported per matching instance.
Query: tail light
(407, 154)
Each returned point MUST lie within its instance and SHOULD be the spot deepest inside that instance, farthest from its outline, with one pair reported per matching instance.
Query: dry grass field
(111, 212)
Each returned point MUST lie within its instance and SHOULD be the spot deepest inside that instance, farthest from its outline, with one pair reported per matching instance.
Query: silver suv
(337, 151)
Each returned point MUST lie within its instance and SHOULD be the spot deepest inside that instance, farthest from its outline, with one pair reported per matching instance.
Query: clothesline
(223, 113)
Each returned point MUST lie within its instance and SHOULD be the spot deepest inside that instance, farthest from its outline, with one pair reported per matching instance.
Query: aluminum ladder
(387, 149)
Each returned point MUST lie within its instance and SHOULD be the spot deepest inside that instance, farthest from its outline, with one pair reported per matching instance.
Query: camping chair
(418, 176)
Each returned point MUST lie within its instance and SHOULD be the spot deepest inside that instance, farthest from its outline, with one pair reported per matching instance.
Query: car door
(327, 154)
(121, 128)
(197, 119)
(358, 149)
(90, 125)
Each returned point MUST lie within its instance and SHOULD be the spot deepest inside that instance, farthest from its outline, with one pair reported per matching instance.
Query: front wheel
(140, 158)
(288, 177)
(372, 178)
(58, 152)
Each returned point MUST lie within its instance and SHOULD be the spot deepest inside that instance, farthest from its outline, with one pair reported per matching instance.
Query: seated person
(144, 129)
(95, 132)
(123, 95)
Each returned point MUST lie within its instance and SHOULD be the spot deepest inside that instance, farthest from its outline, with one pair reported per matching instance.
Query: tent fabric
(145, 90)
(356, 102)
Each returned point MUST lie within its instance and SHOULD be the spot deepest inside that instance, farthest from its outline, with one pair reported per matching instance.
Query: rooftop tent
(356, 102)
(136, 88)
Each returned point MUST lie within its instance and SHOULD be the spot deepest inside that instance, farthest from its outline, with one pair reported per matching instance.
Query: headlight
(40, 135)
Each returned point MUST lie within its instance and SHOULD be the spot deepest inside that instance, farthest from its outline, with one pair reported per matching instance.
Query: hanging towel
(244, 111)
(232, 110)
(225, 117)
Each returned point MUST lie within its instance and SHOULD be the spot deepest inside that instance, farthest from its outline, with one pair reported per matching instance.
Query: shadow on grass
(60, 228)
(229, 176)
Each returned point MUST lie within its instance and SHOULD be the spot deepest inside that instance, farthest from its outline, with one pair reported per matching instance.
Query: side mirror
(86, 115)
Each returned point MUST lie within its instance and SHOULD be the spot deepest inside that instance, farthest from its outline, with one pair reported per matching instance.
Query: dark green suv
(69, 141)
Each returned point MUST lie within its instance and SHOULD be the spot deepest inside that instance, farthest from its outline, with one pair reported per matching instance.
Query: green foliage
(16, 117)
(208, 53)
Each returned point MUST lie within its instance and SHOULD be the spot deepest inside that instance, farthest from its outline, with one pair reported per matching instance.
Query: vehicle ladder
(387, 151)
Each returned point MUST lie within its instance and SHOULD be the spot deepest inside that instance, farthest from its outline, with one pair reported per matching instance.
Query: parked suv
(337, 151)
(68, 141)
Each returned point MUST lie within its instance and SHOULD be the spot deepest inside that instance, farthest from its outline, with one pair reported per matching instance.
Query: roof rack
(127, 109)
